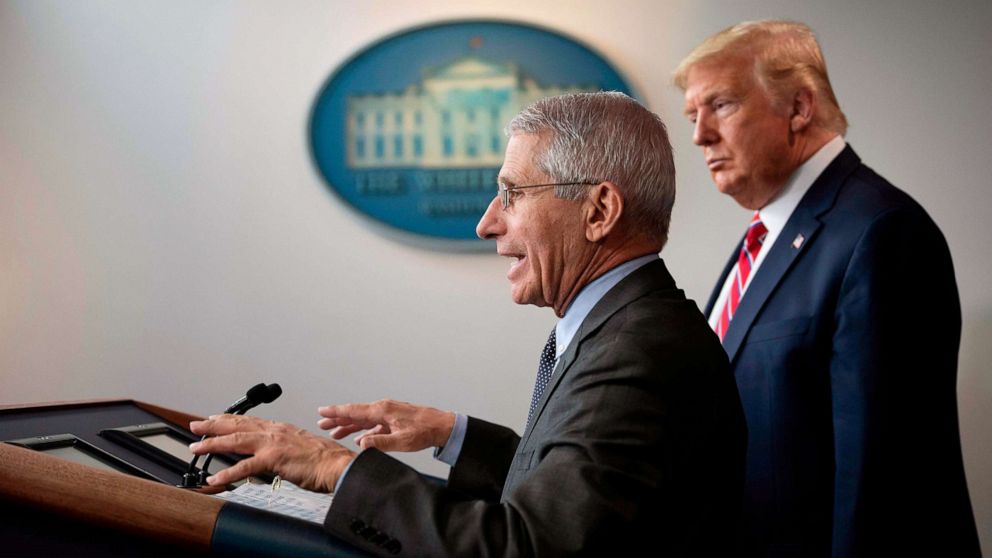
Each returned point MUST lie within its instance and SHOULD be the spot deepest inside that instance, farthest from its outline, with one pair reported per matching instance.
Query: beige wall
(164, 236)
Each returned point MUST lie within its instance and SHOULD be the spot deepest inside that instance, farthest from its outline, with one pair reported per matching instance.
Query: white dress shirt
(777, 212)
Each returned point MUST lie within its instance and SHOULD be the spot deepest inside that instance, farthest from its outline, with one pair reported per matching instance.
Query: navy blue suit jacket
(844, 348)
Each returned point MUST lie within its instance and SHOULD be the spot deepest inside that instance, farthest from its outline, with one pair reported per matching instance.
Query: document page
(281, 497)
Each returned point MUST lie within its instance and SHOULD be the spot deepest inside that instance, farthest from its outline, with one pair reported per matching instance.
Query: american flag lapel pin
(798, 241)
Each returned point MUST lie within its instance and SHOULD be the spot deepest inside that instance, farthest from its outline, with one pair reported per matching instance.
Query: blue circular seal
(409, 131)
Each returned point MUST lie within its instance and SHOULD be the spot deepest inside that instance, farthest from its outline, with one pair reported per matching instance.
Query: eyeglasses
(504, 190)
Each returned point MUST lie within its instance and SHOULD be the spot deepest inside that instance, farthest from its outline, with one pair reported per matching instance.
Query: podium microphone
(255, 396)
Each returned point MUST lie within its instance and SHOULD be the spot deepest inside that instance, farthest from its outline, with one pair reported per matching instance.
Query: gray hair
(606, 136)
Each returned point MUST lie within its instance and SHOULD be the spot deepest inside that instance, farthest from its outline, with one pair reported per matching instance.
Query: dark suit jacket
(845, 353)
(638, 443)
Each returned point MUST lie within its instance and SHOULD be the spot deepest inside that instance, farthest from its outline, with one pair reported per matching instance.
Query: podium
(53, 506)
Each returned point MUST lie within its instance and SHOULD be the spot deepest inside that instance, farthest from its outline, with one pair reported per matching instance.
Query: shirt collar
(588, 297)
(775, 214)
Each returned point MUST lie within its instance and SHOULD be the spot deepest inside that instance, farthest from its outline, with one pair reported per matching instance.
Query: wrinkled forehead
(715, 75)
(521, 161)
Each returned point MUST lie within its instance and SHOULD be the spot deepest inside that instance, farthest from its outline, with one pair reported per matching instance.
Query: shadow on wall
(975, 412)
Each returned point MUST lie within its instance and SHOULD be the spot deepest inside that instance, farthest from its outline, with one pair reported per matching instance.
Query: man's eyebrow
(708, 99)
(691, 104)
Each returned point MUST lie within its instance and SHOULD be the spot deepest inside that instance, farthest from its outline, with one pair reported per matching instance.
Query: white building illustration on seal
(452, 118)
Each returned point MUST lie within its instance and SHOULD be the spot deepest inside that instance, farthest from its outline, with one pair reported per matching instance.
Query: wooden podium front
(55, 507)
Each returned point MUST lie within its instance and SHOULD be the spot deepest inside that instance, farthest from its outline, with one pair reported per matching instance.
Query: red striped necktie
(753, 240)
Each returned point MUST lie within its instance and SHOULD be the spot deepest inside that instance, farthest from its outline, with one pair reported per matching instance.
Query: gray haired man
(635, 438)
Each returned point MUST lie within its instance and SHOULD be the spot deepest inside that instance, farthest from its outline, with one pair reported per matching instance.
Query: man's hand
(307, 460)
(389, 425)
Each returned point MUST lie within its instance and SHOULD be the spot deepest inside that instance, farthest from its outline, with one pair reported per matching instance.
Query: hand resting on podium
(308, 460)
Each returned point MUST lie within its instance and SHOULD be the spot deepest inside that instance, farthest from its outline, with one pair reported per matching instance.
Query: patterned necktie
(753, 240)
(544, 371)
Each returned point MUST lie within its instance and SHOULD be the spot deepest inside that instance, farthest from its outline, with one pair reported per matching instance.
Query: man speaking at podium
(635, 437)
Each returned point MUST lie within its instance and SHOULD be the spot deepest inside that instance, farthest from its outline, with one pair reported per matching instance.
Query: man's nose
(491, 224)
(704, 133)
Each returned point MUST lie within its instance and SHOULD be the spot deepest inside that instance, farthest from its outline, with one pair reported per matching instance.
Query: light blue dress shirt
(565, 330)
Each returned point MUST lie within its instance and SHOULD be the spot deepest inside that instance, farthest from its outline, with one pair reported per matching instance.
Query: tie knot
(756, 233)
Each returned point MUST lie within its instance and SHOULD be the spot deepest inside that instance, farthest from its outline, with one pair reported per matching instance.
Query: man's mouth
(715, 163)
(515, 265)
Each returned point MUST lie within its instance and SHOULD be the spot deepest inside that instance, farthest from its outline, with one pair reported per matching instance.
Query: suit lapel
(796, 237)
(649, 277)
(772, 270)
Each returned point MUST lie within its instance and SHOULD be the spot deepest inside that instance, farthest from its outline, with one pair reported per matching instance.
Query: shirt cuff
(344, 473)
(450, 451)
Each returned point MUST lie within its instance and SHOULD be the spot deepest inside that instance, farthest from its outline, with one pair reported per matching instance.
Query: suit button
(357, 526)
(393, 546)
(368, 533)
(379, 538)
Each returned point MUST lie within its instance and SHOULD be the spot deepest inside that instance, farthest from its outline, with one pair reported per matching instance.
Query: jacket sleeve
(893, 390)
(484, 460)
(383, 488)
(618, 460)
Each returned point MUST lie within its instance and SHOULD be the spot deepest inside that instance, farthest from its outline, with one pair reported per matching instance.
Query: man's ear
(803, 110)
(603, 210)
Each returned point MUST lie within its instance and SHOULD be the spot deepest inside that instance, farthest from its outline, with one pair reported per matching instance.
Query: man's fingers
(341, 431)
(380, 442)
(292, 452)
(329, 423)
(352, 412)
(384, 441)
(240, 470)
(220, 425)
(245, 443)
(379, 429)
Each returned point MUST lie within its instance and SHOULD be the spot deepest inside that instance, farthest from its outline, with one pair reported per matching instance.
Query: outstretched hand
(389, 425)
(305, 459)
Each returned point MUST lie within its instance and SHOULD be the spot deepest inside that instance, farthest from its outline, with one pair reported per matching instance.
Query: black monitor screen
(72, 448)
(74, 454)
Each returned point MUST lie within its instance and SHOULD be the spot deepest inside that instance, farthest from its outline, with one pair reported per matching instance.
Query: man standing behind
(839, 312)
(635, 438)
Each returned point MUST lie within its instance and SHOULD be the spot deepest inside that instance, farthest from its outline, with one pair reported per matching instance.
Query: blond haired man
(838, 310)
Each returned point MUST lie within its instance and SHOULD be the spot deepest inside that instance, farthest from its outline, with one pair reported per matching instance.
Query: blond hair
(786, 58)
